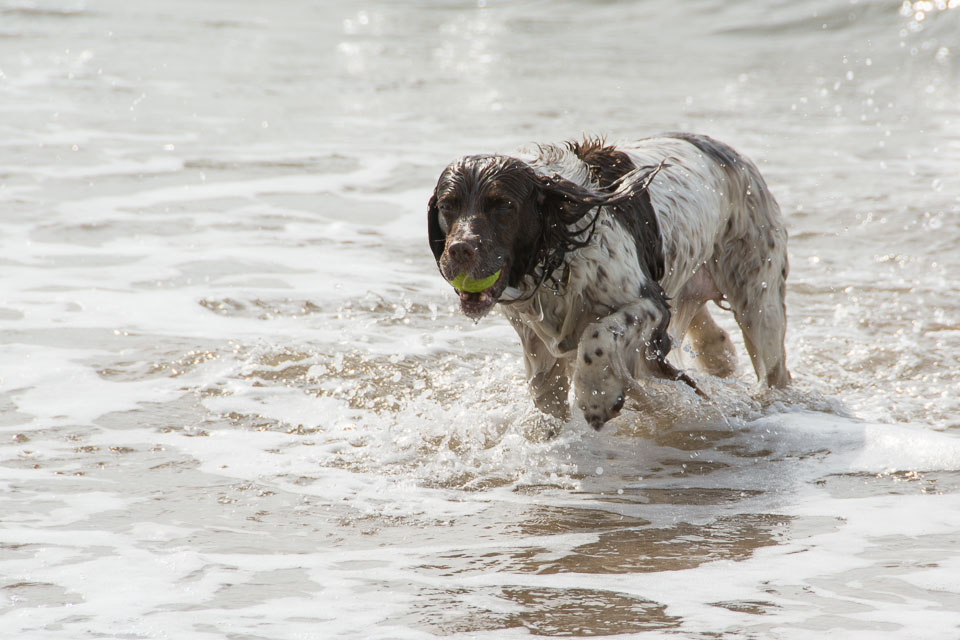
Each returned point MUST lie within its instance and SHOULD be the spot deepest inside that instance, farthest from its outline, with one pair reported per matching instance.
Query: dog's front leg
(547, 374)
(630, 342)
(551, 388)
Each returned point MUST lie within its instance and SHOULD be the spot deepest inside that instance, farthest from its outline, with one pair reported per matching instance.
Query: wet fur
(610, 249)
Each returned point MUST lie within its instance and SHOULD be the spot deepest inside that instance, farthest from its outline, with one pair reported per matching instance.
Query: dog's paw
(598, 384)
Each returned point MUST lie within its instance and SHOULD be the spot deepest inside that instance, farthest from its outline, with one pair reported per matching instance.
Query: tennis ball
(463, 282)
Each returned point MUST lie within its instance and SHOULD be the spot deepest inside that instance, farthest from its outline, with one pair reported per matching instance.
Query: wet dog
(603, 252)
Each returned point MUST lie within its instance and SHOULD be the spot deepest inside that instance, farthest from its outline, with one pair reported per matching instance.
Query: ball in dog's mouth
(477, 297)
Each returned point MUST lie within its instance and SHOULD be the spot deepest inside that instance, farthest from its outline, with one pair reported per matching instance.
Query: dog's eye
(502, 205)
(446, 207)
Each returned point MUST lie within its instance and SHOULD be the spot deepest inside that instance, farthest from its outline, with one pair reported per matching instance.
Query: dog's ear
(564, 220)
(434, 233)
(564, 203)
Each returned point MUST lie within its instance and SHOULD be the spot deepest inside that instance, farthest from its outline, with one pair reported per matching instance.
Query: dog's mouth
(476, 304)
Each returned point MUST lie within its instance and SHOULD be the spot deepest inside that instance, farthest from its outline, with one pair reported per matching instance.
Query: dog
(606, 254)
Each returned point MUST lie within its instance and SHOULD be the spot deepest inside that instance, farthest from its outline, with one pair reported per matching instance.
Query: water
(239, 402)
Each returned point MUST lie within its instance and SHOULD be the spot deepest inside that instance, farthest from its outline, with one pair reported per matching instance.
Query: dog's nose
(462, 251)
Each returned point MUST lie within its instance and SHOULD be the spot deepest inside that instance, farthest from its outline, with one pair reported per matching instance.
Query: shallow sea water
(237, 400)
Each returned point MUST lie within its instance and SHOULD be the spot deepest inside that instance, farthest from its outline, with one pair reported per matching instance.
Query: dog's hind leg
(758, 305)
(750, 268)
(764, 328)
(691, 322)
(712, 345)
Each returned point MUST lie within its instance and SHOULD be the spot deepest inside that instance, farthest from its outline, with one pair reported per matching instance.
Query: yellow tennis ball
(463, 282)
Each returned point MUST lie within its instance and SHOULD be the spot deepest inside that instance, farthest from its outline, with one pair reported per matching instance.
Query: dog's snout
(462, 251)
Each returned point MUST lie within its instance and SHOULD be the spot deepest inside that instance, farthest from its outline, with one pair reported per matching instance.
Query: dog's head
(492, 214)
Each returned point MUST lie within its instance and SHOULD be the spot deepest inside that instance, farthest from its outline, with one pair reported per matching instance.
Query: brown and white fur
(606, 251)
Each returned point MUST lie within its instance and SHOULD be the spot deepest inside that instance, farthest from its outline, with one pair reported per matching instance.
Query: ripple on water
(540, 611)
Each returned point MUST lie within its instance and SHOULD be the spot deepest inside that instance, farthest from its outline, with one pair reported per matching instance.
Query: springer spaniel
(587, 246)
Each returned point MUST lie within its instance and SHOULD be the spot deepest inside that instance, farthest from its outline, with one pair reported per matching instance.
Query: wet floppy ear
(563, 202)
(435, 234)
(562, 223)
